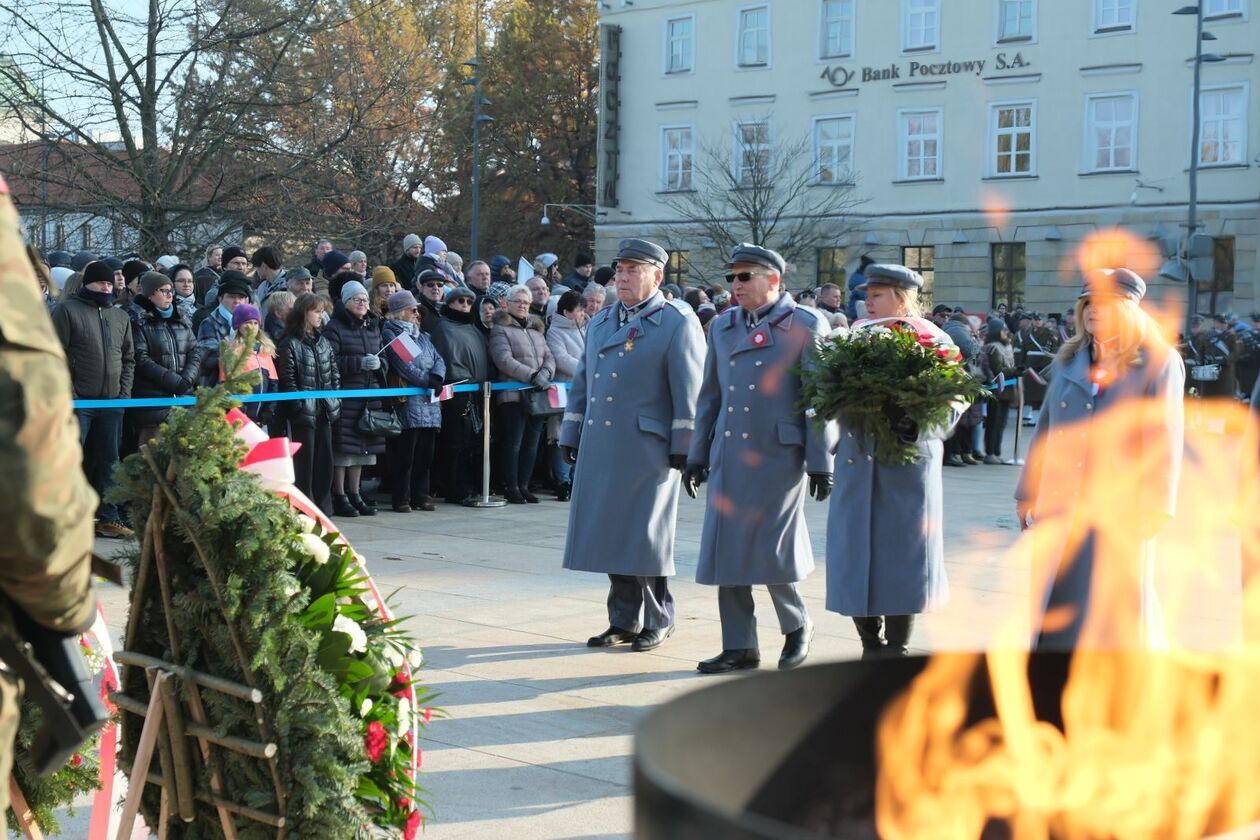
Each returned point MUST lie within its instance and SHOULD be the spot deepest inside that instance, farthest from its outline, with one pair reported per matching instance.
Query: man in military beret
(47, 515)
(760, 454)
(631, 411)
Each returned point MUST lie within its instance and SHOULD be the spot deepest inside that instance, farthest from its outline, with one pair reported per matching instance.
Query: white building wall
(968, 208)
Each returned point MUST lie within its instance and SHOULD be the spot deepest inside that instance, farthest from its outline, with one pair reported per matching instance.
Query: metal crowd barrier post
(485, 500)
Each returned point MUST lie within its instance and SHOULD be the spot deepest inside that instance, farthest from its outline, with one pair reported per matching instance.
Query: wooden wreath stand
(25, 819)
(174, 712)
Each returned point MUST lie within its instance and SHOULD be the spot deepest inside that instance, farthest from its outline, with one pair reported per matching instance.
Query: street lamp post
(1192, 223)
(587, 211)
(478, 119)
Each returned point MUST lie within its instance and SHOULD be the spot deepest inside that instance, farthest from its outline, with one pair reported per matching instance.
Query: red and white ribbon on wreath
(921, 326)
(106, 806)
(271, 459)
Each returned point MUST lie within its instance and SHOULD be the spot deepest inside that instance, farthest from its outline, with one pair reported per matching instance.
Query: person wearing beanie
(411, 453)
(60, 274)
(501, 270)
(547, 266)
(435, 247)
(233, 291)
(407, 266)
(316, 265)
(577, 279)
(355, 336)
(249, 339)
(235, 259)
(462, 344)
(168, 358)
(166, 262)
(333, 262)
(101, 357)
(80, 260)
(384, 285)
(456, 263)
(131, 271)
(603, 275)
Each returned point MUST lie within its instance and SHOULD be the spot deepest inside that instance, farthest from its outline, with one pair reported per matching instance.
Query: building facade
(984, 142)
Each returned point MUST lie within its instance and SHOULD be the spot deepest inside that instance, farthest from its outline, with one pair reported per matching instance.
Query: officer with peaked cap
(885, 555)
(760, 454)
(628, 425)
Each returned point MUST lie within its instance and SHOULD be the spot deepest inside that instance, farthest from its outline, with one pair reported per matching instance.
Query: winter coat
(566, 341)
(429, 314)
(462, 345)
(1078, 442)
(574, 281)
(405, 270)
(352, 339)
(308, 363)
(204, 279)
(274, 328)
(212, 332)
(632, 405)
(753, 435)
(885, 553)
(519, 353)
(168, 360)
(997, 362)
(960, 334)
(99, 348)
(426, 370)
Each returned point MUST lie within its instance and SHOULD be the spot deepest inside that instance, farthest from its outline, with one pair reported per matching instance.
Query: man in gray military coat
(628, 425)
(759, 452)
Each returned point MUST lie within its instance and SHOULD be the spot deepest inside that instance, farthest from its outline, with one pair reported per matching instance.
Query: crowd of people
(134, 329)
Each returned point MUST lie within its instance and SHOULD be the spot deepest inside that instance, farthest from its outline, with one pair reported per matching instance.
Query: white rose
(404, 716)
(358, 639)
(365, 707)
(308, 524)
(315, 547)
(395, 658)
(415, 658)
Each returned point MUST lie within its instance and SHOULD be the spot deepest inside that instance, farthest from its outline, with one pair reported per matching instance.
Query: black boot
(342, 507)
(357, 502)
(513, 496)
(897, 630)
(869, 627)
(563, 492)
(796, 646)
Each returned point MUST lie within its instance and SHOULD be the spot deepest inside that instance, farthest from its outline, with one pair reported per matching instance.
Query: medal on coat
(759, 338)
(630, 339)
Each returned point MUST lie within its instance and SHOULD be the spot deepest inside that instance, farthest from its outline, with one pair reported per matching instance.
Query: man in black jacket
(407, 266)
(98, 342)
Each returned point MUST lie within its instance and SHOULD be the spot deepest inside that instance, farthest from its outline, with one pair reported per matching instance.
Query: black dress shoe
(343, 508)
(529, 497)
(731, 660)
(650, 639)
(796, 647)
(611, 636)
(564, 492)
(513, 497)
(361, 506)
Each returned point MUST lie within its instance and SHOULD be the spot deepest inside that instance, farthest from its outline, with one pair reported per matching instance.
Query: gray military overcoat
(1083, 445)
(631, 405)
(885, 553)
(753, 435)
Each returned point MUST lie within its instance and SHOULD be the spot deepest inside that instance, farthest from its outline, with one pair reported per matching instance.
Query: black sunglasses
(743, 276)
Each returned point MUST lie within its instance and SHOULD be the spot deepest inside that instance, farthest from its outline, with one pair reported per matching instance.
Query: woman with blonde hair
(885, 554)
(1102, 472)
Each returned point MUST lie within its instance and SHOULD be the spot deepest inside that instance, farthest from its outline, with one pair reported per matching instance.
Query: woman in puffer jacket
(566, 337)
(519, 353)
(308, 363)
(419, 365)
(168, 358)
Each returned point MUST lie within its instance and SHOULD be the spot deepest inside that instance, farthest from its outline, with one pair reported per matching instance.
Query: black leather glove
(905, 428)
(677, 462)
(570, 454)
(820, 485)
(693, 475)
(435, 382)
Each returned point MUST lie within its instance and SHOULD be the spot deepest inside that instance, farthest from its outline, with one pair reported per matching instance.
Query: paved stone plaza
(537, 738)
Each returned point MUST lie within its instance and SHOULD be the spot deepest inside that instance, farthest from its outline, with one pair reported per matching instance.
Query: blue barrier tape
(282, 396)
(1005, 384)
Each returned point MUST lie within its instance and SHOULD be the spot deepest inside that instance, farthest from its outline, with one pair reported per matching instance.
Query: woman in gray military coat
(1102, 472)
(885, 555)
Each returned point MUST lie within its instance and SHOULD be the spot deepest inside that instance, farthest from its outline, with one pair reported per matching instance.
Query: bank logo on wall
(839, 76)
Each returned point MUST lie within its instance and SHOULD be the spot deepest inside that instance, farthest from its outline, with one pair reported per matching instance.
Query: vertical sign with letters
(609, 114)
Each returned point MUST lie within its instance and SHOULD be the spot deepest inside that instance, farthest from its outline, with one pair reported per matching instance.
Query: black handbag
(537, 403)
(380, 422)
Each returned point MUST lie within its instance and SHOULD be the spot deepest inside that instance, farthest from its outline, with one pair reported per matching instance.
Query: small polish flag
(557, 397)
(442, 394)
(404, 348)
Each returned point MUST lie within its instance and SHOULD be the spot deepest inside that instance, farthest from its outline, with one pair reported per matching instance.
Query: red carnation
(412, 826)
(76, 760)
(398, 686)
(428, 715)
(375, 741)
(404, 804)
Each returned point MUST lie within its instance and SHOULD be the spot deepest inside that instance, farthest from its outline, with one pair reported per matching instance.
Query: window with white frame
(1015, 20)
(833, 150)
(836, 31)
(677, 157)
(920, 141)
(680, 45)
(754, 36)
(920, 24)
(1114, 15)
(1110, 132)
(1011, 136)
(752, 153)
(1222, 125)
(1222, 8)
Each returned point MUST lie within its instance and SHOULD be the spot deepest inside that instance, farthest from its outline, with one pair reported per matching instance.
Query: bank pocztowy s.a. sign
(842, 77)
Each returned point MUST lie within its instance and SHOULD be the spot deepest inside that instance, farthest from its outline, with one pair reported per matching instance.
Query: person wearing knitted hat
(411, 453)
(456, 264)
(333, 262)
(407, 266)
(249, 338)
(168, 359)
(355, 336)
(131, 271)
(384, 284)
(98, 341)
(233, 291)
(235, 259)
(435, 247)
